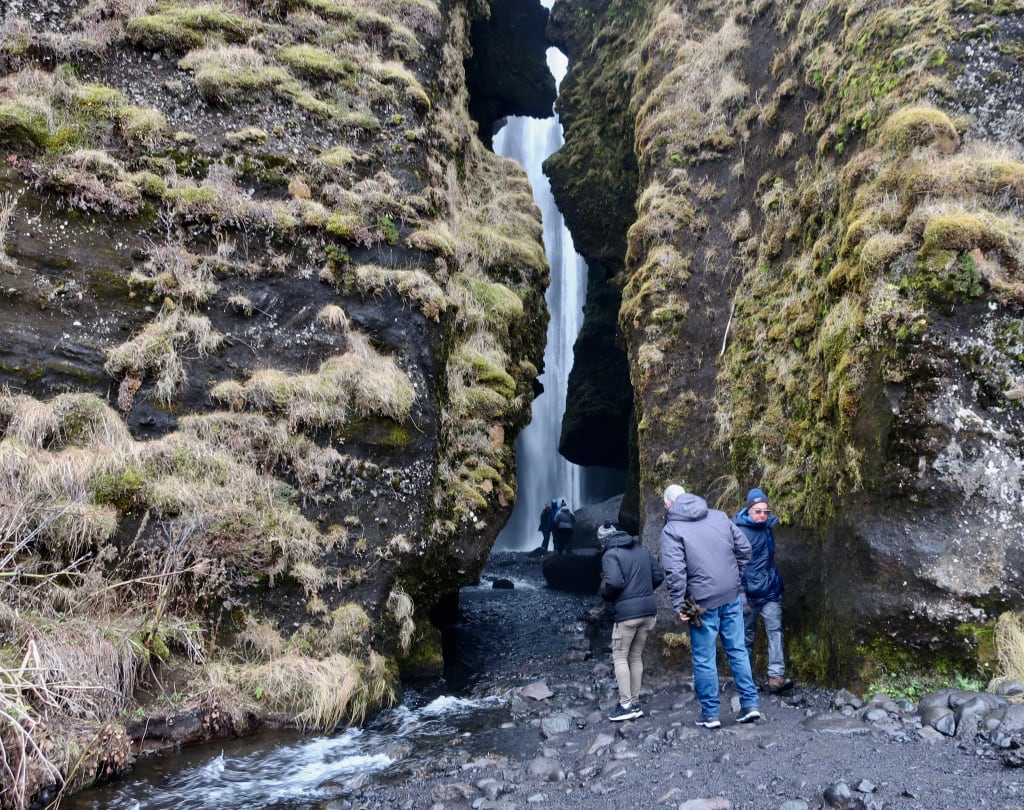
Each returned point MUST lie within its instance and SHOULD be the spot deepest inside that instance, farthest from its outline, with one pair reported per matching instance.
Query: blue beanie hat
(755, 496)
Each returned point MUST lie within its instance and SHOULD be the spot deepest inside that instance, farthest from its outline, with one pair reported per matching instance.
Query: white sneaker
(749, 716)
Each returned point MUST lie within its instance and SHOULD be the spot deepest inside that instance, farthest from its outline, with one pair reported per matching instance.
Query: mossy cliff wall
(821, 291)
(270, 321)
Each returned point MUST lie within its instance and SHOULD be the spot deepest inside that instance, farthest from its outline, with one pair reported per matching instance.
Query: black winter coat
(630, 576)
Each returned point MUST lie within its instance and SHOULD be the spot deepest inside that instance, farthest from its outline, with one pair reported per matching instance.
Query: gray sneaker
(709, 722)
(748, 716)
(635, 706)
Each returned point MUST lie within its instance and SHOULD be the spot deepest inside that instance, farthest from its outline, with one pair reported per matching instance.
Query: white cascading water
(542, 473)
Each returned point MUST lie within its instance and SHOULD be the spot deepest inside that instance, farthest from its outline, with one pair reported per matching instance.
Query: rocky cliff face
(270, 321)
(820, 292)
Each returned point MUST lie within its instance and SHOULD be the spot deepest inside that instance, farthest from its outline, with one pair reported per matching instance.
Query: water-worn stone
(1013, 718)
(538, 690)
(714, 803)
(940, 718)
(1010, 687)
(837, 795)
(453, 792)
(546, 768)
(836, 725)
(844, 697)
(600, 742)
(555, 725)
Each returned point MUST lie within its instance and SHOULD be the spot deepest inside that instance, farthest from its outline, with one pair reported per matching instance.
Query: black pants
(563, 540)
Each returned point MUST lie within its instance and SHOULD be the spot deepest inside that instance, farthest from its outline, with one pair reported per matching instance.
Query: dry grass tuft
(334, 318)
(174, 272)
(157, 351)
(360, 381)
(8, 202)
(401, 606)
(318, 695)
(415, 286)
(1009, 642)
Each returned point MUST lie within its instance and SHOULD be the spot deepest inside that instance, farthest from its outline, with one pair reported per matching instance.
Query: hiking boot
(748, 716)
(709, 722)
(776, 685)
(635, 706)
(625, 713)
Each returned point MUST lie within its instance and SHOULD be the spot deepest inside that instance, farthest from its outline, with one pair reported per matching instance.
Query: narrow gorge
(273, 319)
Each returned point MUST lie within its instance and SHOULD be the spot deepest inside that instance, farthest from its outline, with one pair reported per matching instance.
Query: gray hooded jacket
(703, 553)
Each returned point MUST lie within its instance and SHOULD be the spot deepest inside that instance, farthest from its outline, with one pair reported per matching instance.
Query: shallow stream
(504, 638)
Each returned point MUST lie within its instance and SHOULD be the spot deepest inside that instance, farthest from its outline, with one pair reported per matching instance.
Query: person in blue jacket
(763, 586)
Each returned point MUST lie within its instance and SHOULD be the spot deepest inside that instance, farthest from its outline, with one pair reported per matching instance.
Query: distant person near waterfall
(547, 515)
(564, 522)
(763, 585)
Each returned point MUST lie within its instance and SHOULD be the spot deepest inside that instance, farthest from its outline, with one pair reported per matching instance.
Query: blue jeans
(771, 615)
(725, 621)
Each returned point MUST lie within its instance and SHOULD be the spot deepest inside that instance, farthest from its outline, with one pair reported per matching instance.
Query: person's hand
(683, 617)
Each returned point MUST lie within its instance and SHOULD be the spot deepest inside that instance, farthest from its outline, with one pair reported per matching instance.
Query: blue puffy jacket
(761, 581)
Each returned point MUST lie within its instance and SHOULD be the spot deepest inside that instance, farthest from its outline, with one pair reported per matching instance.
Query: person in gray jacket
(704, 555)
(629, 577)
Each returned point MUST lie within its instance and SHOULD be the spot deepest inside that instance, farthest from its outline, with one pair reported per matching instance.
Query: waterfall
(542, 473)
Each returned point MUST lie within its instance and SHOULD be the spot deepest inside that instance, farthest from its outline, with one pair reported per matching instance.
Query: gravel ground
(813, 748)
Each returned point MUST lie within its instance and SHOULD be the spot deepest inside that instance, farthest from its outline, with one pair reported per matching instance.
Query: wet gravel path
(813, 748)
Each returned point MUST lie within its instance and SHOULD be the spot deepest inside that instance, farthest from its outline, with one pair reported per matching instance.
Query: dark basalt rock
(507, 73)
(599, 402)
(575, 572)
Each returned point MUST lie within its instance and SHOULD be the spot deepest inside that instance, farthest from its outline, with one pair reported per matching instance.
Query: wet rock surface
(549, 653)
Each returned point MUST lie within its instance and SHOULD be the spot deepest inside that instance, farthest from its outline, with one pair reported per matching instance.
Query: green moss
(485, 370)
(316, 64)
(249, 135)
(337, 157)
(432, 241)
(957, 231)
(425, 657)
(126, 489)
(946, 276)
(143, 126)
(388, 231)
(182, 27)
(22, 126)
(162, 32)
(225, 75)
(501, 305)
(911, 127)
(97, 97)
(344, 226)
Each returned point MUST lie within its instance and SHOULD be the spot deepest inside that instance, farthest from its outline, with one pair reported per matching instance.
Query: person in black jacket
(629, 575)
(547, 517)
